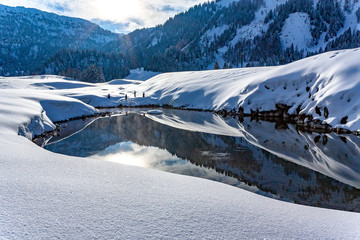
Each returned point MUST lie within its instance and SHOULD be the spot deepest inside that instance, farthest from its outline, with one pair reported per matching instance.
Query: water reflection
(130, 153)
(252, 154)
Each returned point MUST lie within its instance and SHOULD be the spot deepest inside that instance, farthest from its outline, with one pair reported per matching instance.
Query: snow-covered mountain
(231, 32)
(29, 36)
(244, 33)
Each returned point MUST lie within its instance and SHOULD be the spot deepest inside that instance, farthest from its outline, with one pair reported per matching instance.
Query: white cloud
(128, 15)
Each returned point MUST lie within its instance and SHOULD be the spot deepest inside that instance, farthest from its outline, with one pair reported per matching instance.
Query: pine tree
(92, 74)
(358, 15)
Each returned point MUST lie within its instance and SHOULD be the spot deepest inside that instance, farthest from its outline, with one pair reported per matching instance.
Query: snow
(332, 79)
(154, 42)
(218, 58)
(76, 198)
(45, 195)
(255, 28)
(296, 31)
(272, 4)
(214, 32)
(350, 18)
(154, 112)
(350, 22)
(141, 74)
(327, 159)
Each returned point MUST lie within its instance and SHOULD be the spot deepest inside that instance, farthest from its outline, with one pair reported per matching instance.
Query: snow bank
(46, 195)
(37, 110)
(330, 80)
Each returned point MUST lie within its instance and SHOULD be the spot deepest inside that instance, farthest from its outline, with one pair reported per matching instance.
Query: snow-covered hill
(324, 83)
(324, 86)
(46, 195)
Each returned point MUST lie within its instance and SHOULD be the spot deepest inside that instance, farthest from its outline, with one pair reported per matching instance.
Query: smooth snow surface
(328, 80)
(141, 74)
(45, 195)
(155, 112)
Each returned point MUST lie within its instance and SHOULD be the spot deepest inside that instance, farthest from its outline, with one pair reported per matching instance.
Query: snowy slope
(263, 34)
(212, 33)
(141, 74)
(257, 27)
(296, 31)
(328, 80)
(45, 195)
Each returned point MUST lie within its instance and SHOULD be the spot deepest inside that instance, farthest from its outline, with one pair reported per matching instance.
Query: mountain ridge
(266, 36)
(230, 33)
(30, 36)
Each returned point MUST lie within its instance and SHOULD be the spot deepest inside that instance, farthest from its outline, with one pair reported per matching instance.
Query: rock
(326, 112)
(344, 120)
(325, 140)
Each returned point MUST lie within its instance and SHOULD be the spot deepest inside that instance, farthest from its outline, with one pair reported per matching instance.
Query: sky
(120, 16)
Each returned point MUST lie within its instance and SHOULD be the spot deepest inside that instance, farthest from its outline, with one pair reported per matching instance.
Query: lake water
(271, 159)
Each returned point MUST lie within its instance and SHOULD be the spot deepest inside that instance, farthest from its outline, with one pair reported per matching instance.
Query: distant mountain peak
(30, 36)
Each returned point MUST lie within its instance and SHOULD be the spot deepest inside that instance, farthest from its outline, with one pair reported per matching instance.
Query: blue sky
(116, 15)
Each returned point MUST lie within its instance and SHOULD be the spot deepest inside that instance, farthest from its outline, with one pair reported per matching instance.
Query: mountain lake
(267, 158)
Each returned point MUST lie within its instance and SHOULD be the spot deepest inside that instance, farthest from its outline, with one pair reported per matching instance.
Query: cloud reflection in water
(129, 153)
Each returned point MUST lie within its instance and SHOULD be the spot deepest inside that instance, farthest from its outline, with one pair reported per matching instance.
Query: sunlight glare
(126, 158)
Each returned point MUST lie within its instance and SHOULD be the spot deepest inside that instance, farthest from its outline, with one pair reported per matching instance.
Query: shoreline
(303, 123)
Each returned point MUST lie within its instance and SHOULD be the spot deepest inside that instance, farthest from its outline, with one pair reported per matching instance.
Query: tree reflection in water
(306, 168)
